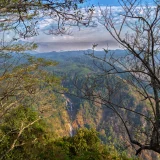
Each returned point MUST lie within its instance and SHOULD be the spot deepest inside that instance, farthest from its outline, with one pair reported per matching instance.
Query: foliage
(96, 115)
(36, 144)
(85, 144)
(21, 131)
(22, 17)
(23, 82)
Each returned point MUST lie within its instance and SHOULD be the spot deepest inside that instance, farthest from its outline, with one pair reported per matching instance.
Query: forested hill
(42, 117)
(48, 109)
(74, 66)
(68, 103)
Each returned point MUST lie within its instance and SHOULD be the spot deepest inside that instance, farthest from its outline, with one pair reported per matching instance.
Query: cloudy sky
(113, 2)
(83, 38)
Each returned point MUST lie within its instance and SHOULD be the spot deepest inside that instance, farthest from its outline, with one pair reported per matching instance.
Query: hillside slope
(78, 112)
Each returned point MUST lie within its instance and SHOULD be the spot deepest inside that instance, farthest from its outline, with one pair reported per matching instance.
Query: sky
(105, 2)
(83, 38)
(112, 2)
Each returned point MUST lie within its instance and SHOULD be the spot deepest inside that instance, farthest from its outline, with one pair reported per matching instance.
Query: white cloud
(85, 36)
(82, 38)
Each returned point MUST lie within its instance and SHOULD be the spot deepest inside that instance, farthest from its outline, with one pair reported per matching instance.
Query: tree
(23, 78)
(26, 96)
(138, 67)
(22, 131)
(19, 18)
(22, 16)
(85, 144)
